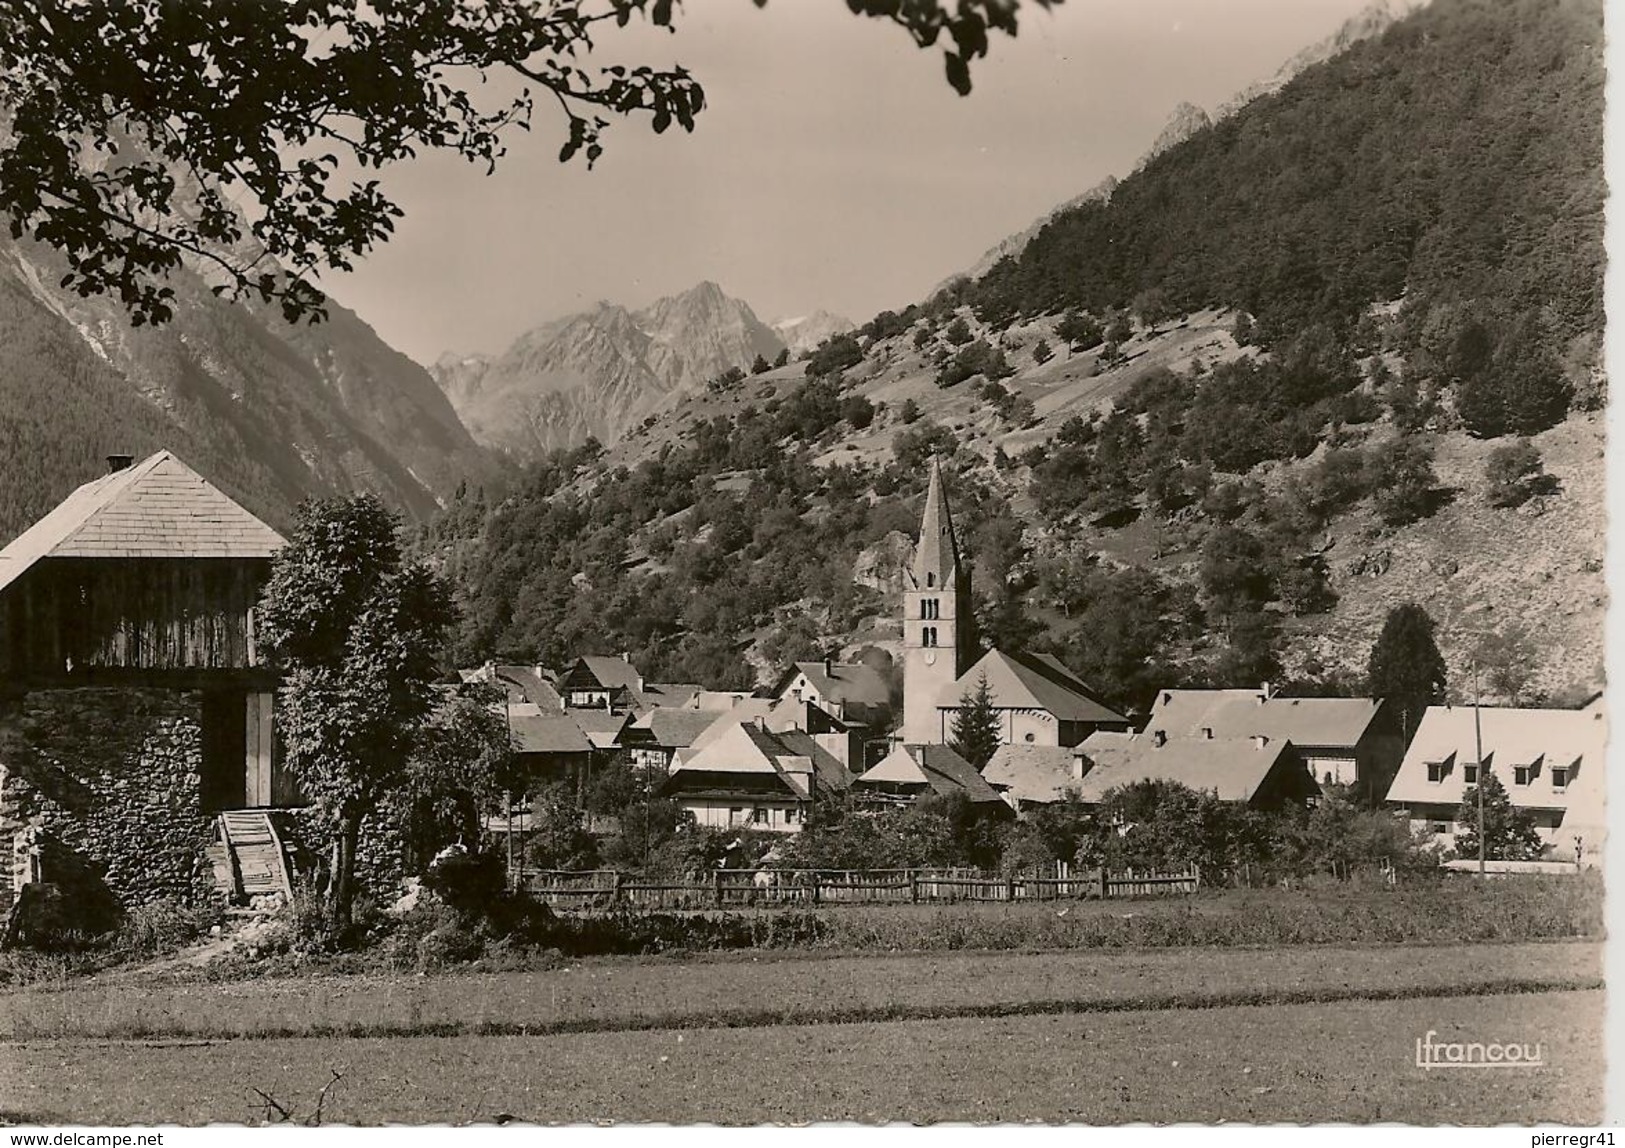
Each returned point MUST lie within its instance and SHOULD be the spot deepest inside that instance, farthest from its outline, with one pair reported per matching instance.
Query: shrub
(1042, 352)
(1514, 471)
(834, 355)
(958, 332)
(1081, 331)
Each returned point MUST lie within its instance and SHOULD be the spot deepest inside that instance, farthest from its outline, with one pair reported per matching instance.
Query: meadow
(1323, 1062)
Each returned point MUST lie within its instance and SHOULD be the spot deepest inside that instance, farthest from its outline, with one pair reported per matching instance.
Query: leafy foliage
(135, 129)
(1406, 666)
(357, 633)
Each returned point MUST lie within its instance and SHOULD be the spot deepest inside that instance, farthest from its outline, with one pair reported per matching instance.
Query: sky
(833, 166)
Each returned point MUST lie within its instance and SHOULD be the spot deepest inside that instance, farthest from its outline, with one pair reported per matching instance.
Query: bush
(1514, 472)
(958, 332)
(1042, 352)
(834, 355)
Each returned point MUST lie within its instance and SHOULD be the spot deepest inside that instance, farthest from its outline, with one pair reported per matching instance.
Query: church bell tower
(936, 619)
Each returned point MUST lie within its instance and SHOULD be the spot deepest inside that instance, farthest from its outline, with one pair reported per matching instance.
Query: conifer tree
(1509, 832)
(1406, 666)
(975, 734)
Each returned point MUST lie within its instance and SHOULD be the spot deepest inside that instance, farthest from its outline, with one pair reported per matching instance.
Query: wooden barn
(149, 577)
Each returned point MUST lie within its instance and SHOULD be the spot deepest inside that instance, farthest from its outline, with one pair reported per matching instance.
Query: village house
(1259, 771)
(1040, 701)
(1352, 742)
(127, 625)
(1027, 776)
(911, 772)
(655, 737)
(533, 685)
(746, 776)
(594, 681)
(1552, 763)
(847, 691)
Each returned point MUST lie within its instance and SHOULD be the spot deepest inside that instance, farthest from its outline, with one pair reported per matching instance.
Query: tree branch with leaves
(138, 134)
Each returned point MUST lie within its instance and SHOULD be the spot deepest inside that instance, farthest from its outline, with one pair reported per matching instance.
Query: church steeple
(936, 555)
(937, 637)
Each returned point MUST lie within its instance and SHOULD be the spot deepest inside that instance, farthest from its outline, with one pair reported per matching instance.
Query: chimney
(1167, 697)
(118, 462)
(1265, 693)
(1159, 738)
(1207, 733)
(829, 666)
(1260, 741)
(760, 722)
(1080, 764)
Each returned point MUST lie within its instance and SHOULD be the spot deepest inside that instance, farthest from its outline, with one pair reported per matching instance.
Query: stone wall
(114, 776)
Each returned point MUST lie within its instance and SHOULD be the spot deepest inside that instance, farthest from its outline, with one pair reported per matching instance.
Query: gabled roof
(936, 554)
(610, 672)
(1040, 682)
(743, 747)
(548, 733)
(1234, 769)
(602, 727)
(157, 508)
(1572, 739)
(1037, 773)
(1321, 722)
(721, 701)
(934, 767)
(523, 683)
(851, 683)
(667, 727)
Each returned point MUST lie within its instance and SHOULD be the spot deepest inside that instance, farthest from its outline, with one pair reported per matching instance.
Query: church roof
(1033, 681)
(936, 555)
(157, 508)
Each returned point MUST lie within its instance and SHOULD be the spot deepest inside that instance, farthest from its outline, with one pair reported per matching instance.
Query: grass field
(1348, 1061)
(608, 993)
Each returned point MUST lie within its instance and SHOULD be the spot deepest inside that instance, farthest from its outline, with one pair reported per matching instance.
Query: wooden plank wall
(137, 614)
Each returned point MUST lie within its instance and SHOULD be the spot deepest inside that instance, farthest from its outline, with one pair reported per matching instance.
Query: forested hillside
(270, 411)
(1337, 350)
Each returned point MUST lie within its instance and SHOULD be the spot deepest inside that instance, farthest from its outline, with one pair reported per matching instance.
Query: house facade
(745, 776)
(911, 772)
(1352, 742)
(1552, 764)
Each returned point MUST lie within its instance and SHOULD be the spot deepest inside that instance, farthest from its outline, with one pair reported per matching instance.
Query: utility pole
(507, 718)
(1478, 753)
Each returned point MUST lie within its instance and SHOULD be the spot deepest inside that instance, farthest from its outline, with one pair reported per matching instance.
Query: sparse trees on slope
(1514, 471)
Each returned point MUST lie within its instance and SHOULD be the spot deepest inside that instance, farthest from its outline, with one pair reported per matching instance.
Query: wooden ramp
(259, 865)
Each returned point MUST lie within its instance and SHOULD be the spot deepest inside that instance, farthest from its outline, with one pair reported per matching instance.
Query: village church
(1039, 701)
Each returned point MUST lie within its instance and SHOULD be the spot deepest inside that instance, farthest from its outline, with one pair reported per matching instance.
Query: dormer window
(1436, 771)
(1560, 777)
(1469, 772)
(1521, 774)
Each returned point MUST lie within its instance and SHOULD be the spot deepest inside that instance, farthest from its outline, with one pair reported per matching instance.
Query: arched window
(928, 636)
(930, 579)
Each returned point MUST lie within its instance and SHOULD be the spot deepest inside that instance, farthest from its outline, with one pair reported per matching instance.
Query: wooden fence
(735, 888)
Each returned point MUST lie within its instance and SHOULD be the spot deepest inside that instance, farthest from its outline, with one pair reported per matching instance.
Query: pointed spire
(936, 557)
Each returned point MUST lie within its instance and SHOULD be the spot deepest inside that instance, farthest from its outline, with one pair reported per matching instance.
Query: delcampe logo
(1476, 1054)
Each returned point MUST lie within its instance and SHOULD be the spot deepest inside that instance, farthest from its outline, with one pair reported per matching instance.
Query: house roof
(547, 733)
(1038, 773)
(936, 767)
(1026, 681)
(523, 683)
(156, 508)
(721, 701)
(611, 673)
(668, 727)
(1324, 722)
(744, 747)
(1234, 769)
(851, 683)
(1573, 739)
(670, 693)
(602, 727)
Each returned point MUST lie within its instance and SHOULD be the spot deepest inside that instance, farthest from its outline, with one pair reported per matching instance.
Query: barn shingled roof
(157, 508)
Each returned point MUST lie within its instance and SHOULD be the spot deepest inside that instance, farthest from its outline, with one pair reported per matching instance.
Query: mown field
(1304, 1063)
(754, 991)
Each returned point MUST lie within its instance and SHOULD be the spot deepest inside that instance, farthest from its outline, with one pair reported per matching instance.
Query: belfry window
(929, 608)
(930, 579)
(928, 636)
